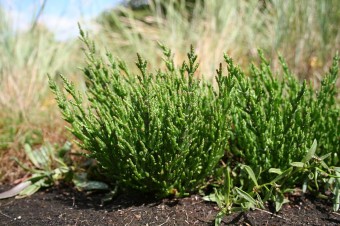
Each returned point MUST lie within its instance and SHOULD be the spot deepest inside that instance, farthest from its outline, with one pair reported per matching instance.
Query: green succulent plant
(161, 132)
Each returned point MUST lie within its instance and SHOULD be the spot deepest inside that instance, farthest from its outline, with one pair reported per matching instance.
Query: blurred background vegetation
(305, 32)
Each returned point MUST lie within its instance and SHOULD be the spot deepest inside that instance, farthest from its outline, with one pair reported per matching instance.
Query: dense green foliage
(161, 133)
(166, 132)
(275, 121)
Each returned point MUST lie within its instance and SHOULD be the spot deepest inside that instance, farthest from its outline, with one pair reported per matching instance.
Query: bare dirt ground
(63, 205)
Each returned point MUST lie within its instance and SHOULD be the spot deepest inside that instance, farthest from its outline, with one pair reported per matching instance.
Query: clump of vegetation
(162, 133)
(166, 132)
(29, 55)
(276, 120)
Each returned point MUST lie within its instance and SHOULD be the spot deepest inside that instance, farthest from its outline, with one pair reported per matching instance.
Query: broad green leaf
(41, 158)
(237, 209)
(82, 183)
(64, 149)
(245, 205)
(268, 193)
(39, 176)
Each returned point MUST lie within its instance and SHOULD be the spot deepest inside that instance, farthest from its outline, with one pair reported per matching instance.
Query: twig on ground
(165, 221)
(336, 213)
(273, 214)
(5, 215)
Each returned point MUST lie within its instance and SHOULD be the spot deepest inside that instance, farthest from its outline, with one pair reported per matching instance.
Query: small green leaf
(64, 149)
(280, 202)
(297, 164)
(210, 198)
(31, 156)
(238, 209)
(325, 156)
(336, 192)
(324, 165)
(109, 196)
(275, 170)
(218, 218)
(260, 201)
(336, 199)
(316, 175)
(246, 196)
(93, 185)
(251, 174)
(30, 190)
(304, 186)
(227, 186)
(282, 175)
(310, 153)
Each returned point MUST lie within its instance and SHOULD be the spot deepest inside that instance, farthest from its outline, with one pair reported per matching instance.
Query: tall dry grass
(305, 32)
(28, 112)
(26, 58)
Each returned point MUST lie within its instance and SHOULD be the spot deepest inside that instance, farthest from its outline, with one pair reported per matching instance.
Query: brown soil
(65, 206)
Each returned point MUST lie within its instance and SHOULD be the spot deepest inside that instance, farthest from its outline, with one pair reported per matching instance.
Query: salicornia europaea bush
(162, 133)
(276, 120)
(165, 132)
